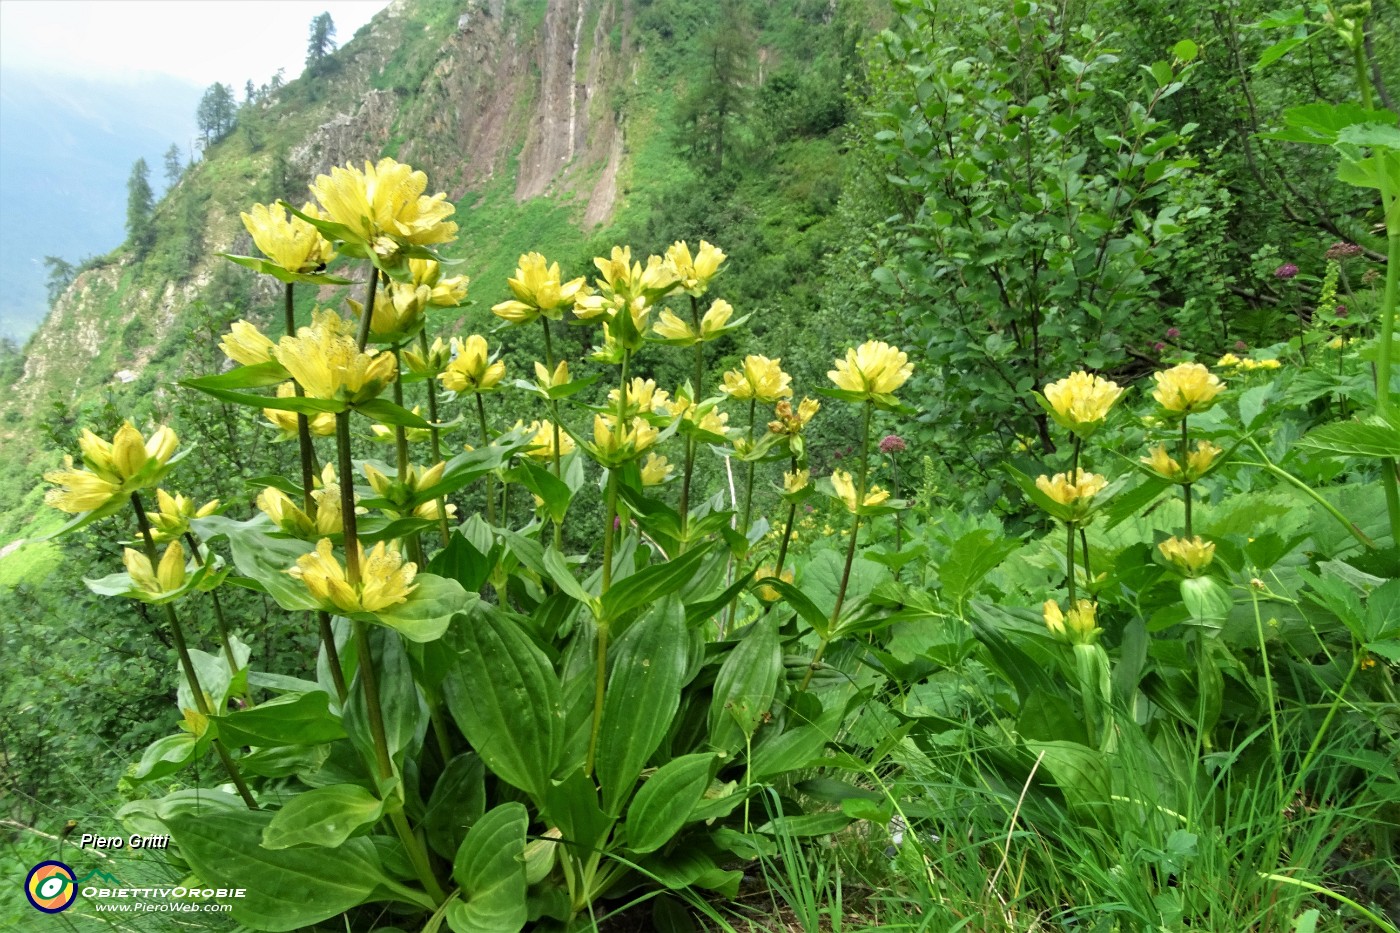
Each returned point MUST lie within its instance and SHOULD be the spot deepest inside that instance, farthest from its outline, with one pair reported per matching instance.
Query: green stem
(435, 438)
(850, 549)
(308, 481)
(1070, 526)
(1069, 563)
(370, 290)
(323, 623)
(1269, 694)
(368, 678)
(748, 481)
(609, 543)
(787, 530)
(690, 445)
(308, 452)
(1289, 478)
(1185, 487)
(490, 479)
(177, 635)
(1356, 658)
(554, 415)
(218, 611)
(1384, 363)
(1358, 62)
(415, 542)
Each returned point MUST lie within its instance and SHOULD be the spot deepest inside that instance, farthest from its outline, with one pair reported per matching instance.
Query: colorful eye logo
(51, 887)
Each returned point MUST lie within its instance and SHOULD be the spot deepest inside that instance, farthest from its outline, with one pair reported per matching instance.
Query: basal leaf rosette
(111, 472)
(390, 591)
(169, 579)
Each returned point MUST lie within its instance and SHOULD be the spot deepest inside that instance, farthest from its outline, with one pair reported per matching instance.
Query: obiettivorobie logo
(52, 887)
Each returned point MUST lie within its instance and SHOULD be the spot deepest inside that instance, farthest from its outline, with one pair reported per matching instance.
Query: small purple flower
(892, 444)
(617, 522)
(1241, 346)
(1159, 346)
(1341, 310)
(1173, 333)
(1342, 250)
(1286, 271)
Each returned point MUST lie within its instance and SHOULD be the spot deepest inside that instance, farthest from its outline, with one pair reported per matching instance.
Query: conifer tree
(320, 44)
(140, 202)
(174, 166)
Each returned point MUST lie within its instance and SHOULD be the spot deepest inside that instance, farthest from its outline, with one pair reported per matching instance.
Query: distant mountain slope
(66, 149)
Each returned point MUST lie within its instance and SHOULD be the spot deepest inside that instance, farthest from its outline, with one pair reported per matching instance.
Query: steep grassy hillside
(558, 125)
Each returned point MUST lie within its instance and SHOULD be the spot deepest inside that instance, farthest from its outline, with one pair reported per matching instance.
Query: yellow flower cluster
(287, 240)
(1198, 462)
(1080, 402)
(326, 518)
(111, 469)
(693, 275)
(874, 368)
(472, 369)
(759, 378)
(538, 290)
(1078, 490)
(169, 575)
(1079, 626)
(384, 208)
(385, 578)
(1187, 389)
(670, 327)
(846, 491)
(320, 424)
(1248, 364)
(1190, 556)
(174, 513)
(328, 364)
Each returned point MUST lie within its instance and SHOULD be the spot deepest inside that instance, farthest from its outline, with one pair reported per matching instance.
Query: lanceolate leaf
(283, 275)
(286, 889)
(424, 616)
(291, 719)
(643, 695)
(490, 869)
(662, 805)
(746, 685)
(505, 696)
(324, 816)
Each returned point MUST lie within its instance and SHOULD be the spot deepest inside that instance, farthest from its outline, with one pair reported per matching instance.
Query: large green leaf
(166, 755)
(665, 801)
(505, 697)
(458, 801)
(286, 889)
(745, 685)
(326, 816)
(401, 707)
(490, 869)
(1372, 438)
(425, 615)
(972, 557)
(644, 692)
(649, 584)
(291, 719)
(285, 275)
(262, 557)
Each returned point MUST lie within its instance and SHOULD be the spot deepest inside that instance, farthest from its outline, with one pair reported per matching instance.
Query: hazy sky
(201, 41)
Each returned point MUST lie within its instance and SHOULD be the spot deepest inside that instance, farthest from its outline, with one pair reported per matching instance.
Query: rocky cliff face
(480, 91)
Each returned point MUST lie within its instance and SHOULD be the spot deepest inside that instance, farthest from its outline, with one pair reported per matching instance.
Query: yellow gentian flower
(429, 364)
(873, 368)
(655, 470)
(247, 345)
(472, 368)
(538, 290)
(385, 578)
(619, 442)
(126, 464)
(790, 422)
(758, 378)
(1076, 491)
(797, 481)
(846, 490)
(165, 578)
(445, 291)
(286, 239)
(320, 423)
(174, 513)
(1187, 388)
(643, 397)
(384, 206)
(329, 365)
(670, 327)
(1190, 556)
(542, 441)
(1080, 402)
(1077, 627)
(547, 380)
(693, 275)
